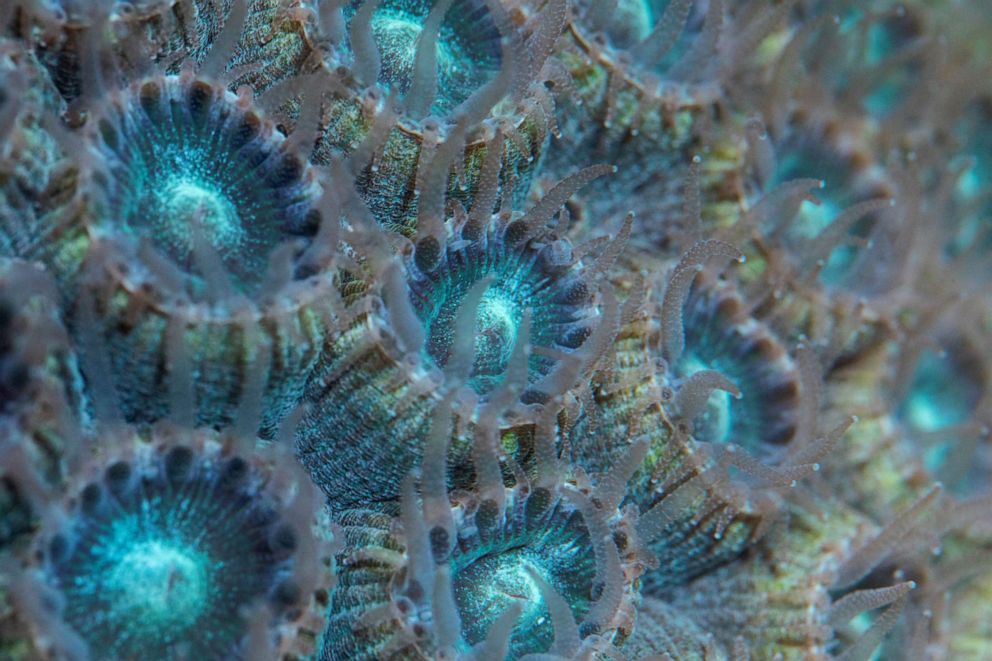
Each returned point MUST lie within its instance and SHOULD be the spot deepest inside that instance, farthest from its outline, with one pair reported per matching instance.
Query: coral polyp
(495, 330)
(528, 574)
(515, 284)
(500, 279)
(193, 178)
(168, 552)
(191, 168)
(426, 94)
(720, 337)
(463, 35)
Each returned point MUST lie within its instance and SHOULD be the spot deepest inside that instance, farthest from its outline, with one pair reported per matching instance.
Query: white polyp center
(496, 327)
(161, 583)
(196, 206)
(716, 418)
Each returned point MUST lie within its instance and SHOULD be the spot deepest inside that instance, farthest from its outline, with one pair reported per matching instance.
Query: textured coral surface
(484, 330)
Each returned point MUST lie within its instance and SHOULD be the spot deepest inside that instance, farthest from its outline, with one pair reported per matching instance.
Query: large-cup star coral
(173, 548)
(220, 231)
(132, 559)
(527, 281)
(427, 93)
(540, 567)
(463, 35)
(403, 346)
(495, 330)
(194, 177)
(720, 337)
(190, 166)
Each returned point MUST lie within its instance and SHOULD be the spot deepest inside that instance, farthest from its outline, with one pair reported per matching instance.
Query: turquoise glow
(941, 394)
(182, 191)
(192, 170)
(720, 337)
(944, 392)
(817, 158)
(814, 161)
(497, 323)
(468, 50)
(838, 266)
(887, 39)
(814, 218)
(158, 583)
(632, 21)
(885, 97)
(492, 583)
(973, 226)
(186, 195)
(974, 133)
(525, 281)
(493, 572)
(150, 581)
(972, 183)
(164, 565)
(716, 421)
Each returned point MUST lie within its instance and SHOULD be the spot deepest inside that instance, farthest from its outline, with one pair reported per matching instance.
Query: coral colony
(539, 330)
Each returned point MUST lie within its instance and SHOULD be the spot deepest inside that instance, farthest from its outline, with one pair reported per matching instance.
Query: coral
(183, 173)
(416, 102)
(34, 179)
(467, 49)
(544, 280)
(719, 336)
(169, 549)
(76, 45)
(537, 330)
(532, 553)
(179, 157)
(405, 348)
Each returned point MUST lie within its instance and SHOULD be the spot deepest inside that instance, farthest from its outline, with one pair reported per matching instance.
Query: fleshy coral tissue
(538, 330)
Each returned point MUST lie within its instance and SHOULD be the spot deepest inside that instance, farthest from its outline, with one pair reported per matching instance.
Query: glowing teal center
(511, 580)
(813, 219)
(160, 584)
(816, 217)
(183, 199)
(202, 203)
(397, 37)
(714, 423)
(882, 45)
(632, 22)
(497, 323)
(939, 396)
(971, 184)
(490, 585)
